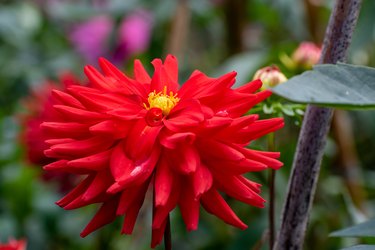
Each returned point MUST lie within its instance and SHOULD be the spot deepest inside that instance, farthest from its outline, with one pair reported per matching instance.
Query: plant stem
(271, 184)
(312, 138)
(167, 235)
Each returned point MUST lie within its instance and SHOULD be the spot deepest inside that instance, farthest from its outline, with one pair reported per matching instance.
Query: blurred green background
(37, 43)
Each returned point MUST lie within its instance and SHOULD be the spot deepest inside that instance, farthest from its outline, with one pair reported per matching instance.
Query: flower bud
(306, 55)
(271, 76)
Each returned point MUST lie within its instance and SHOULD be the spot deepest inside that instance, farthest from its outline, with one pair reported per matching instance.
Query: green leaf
(332, 85)
(365, 229)
(360, 247)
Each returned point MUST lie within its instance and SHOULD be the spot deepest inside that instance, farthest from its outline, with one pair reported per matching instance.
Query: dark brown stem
(271, 211)
(312, 138)
(167, 235)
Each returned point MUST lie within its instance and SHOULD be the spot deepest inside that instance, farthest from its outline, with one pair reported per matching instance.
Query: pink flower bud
(271, 76)
(306, 55)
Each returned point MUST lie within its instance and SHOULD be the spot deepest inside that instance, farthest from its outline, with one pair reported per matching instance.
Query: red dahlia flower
(14, 245)
(39, 107)
(186, 143)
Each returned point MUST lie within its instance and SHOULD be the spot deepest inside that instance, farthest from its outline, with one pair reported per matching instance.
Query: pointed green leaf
(365, 229)
(332, 85)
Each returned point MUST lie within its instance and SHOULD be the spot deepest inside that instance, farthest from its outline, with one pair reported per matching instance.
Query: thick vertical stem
(312, 138)
(272, 177)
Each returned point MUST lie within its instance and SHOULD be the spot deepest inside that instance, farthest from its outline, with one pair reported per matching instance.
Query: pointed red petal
(105, 215)
(216, 205)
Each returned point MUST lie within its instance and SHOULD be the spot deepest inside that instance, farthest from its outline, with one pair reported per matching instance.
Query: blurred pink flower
(90, 37)
(133, 35)
(14, 245)
(306, 55)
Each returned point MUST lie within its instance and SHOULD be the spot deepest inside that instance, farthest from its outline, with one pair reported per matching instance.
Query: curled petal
(163, 183)
(215, 204)
(171, 140)
(189, 207)
(105, 215)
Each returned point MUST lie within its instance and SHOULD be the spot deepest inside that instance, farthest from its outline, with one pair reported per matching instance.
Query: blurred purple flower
(90, 37)
(133, 35)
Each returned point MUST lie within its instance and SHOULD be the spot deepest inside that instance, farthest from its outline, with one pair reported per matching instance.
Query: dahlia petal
(67, 99)
(51, 142)
(238, 190)
(219, 150)
(250, 87)
(133, 210)
(162, 79)
(171, 67)
(97, 79)
(99, 101)
(82, 147)
(185, 114)
(119, 162)
(200, 86)
(128, 112)
(189, 159)
(140, 73)
(263, 158)
(217, 123)
(98, 186)
(163, 183)
(238, 167)
(157, 234)
(161, 212)
(132, 87)
(78, 115)
(141, 139)
(240, 123)
(251, 184)
(56, 165)
(105, 215)
(260, 128)
(216, 205)
(134, 172)
(236, 104)
(130, 219)
(64, 129)
(110, 128)
(189, 207)
(201, 180)
(95, 162)
(76, 192)
(61, 166)
(130, 196)
(173, 139)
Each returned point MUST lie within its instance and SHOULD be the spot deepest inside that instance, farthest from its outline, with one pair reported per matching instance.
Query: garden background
(40, 40)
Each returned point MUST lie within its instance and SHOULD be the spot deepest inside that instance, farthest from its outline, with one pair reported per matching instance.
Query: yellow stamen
(162, 100)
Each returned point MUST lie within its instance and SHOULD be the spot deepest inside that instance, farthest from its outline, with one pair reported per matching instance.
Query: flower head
(38, 108)
(128, 135)
(271, 76)
(14, 245)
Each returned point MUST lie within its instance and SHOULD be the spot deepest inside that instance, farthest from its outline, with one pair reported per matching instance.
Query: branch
(312, 138)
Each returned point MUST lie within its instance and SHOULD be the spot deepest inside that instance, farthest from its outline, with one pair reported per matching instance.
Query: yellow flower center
(162, 101)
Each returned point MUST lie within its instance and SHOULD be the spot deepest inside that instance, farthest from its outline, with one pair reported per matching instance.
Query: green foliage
(341, 85)
(365, 229)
